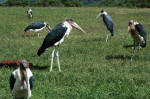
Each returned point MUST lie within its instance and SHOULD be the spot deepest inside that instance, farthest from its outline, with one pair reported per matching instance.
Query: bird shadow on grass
(33, 67)
(129, 46)
(93, 39)
(37, 67)
(31, 35)
(122, 57)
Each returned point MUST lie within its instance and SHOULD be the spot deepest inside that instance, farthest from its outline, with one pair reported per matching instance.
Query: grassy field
(91, 68)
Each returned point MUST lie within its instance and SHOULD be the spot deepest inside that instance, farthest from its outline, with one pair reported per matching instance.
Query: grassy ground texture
(91, 68)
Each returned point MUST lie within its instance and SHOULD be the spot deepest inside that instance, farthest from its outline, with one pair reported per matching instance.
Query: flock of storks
(21, 80)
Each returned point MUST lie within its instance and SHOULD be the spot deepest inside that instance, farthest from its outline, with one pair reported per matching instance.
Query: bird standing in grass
(56, 37)
(36, 27)
(21, 81)
(108, 22)
(138, 34)
(30, 13)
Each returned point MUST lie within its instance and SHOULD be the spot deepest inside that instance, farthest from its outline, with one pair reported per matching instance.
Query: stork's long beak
(98, 15)
(49, 28)
(74, 24)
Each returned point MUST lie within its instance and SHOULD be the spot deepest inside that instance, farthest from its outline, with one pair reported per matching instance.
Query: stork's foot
(139, 48)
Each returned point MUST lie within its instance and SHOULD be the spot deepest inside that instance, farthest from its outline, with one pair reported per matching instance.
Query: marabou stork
(36, 27)
(108, 22)
(138, 34)
(56, 37)
(30, 13)
(21, 81)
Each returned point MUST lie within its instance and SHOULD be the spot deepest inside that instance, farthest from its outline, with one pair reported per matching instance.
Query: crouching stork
(56, 37)
(108, 22)
(21, 81)
(138, 34)
(30, 13)
(36, 27)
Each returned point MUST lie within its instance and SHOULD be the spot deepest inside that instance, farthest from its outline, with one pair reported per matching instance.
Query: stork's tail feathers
(40, 51)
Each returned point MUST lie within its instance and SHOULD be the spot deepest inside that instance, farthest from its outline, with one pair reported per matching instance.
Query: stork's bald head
(102, 10)
(101, 13)
(69, 20)
(23, 64)
(131, 22)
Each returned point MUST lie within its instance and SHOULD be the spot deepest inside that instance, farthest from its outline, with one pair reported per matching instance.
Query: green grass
(91, 68)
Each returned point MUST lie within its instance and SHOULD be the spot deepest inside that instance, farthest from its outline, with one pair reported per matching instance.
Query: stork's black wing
(141, 30)
(109, 23)
(12, 81)
(142, 33)
(36, 25)
(31, 81)
(31, 12)
(52, 37)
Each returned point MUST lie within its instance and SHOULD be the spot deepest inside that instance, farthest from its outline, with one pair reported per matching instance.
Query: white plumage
(29, 13)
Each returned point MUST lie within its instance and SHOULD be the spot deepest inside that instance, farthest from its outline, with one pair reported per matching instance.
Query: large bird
(108, 22)
(56, 37)
(138, 34)
(30, 13)
(21, 81)
(36, 27)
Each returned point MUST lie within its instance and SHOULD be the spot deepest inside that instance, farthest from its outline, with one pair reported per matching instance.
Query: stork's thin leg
(139, 48)
(38, 34)
(52, 56)
(106, 36)
(133, 50)
(57, 54)
(26, 33)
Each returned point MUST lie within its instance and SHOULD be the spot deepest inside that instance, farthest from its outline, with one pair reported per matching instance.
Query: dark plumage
(21, 81)
(12, 81)
(138, 34)
(142, 32)
(52, 37)
(35, 25)
(31, 81)
(56, 37)
(109, 23)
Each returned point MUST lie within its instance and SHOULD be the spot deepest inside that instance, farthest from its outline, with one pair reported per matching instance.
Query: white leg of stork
(133, 50)
(38, 34)
(139, 48)
(107, 36)
(57, 55)
(52, 57)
